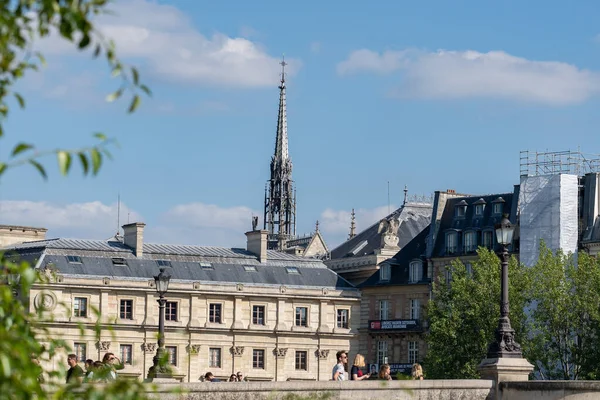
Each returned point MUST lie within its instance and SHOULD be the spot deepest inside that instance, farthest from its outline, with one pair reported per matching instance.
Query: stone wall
(398, 390)
(550, 390)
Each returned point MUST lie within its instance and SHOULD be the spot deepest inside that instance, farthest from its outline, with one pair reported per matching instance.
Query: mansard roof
(399, 272)
(470, 222)
(104, 258)
(413, 218)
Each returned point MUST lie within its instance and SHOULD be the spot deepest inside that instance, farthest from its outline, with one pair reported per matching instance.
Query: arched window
(414, 271)
(384, 272)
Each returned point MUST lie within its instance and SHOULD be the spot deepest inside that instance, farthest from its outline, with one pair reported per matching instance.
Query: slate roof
(413, 217)
(415, 249)
(487, 221)
(228, 264)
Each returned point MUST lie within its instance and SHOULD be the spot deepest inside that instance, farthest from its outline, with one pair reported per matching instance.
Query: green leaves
(64, 162)
(21, 147)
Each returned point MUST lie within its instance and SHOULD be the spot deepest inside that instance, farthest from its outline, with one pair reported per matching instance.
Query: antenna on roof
(389, 211)
(118, 213)
(405, 193)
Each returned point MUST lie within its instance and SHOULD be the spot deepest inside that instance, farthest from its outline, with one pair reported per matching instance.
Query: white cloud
(471, 74)
(92, 220)
(194, 223)
(167, 45)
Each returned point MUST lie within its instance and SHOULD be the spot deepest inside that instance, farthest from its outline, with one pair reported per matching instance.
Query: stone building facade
(271, 315)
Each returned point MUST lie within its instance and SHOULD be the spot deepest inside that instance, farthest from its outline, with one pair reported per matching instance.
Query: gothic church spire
(280, 201)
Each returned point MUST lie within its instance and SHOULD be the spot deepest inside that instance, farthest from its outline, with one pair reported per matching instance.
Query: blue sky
(433, 95)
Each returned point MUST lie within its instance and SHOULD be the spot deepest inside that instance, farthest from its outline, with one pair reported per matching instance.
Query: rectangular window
(414, 308)
(301, 316)
(470, 242)
(127, 354)
(384, 310)
(119, 262)
(74, 259)
(302, 361)
(80, 307)
(382, 352)
(172, 351)
(448, 274)
(498, 208)
(413, 352)
(171, 311)
(206, 266)
(80, 351)
(292, 270)
(451, 247)
(461, 211)
(469, 268)
(414, 272)
(258, 315)
(488, 239)
(214, 314)
(343, 316)
(250, 268)
(214, 357)
(479, 209)
(126, 309)
(163, 263)
(258, 359)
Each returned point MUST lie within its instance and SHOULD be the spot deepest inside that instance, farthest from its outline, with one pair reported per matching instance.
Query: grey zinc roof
(96, 260)
(413, 217)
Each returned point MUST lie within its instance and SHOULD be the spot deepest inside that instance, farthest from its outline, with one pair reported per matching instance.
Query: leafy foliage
(464, 313)
(566, 316)
(23, 23)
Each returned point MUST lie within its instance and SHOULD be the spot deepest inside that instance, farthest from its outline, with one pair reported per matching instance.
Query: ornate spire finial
(317, 226)
(405, 194)
(352, 225)
(283, 64)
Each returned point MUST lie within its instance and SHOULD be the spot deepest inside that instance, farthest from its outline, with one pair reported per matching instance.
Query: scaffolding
(533, 163)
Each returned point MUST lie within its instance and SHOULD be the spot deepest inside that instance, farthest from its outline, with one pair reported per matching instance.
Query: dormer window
(498, 206)
(451, 243)
(414, 271)
(479, 207)
(461, 209)
(74, 259)
(384, 272)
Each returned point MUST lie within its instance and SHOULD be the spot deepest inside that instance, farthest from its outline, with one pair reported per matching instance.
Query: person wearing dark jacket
(75, 373)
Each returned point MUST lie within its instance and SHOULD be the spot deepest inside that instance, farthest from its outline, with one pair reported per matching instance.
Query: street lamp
(505, 345)
(162, 285)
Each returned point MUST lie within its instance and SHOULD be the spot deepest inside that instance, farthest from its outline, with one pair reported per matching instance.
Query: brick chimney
(133, 236)
(257, 244)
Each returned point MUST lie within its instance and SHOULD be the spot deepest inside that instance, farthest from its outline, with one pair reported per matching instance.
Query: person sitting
(417, 372)
(356, 373)
(211, 378)
(233, 378)
(384, 373)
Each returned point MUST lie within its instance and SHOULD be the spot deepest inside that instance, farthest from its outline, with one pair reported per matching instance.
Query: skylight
(250, 268)
(74, 259)
(119, 262)
(206, 266)
(292, 270)
(163, 263)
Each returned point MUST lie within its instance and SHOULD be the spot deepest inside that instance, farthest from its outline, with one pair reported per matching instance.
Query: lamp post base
(504, 369)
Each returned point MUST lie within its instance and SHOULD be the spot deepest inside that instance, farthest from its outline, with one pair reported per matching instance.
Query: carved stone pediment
(322, 354)
(280, 352)
(149, 347)
(194, 348)
(237, 351)
(103, 345)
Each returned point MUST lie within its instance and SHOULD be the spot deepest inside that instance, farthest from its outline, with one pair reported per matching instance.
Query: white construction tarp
(548, 212)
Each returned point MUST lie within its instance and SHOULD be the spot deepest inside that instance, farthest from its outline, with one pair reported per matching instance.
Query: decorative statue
(254, 222)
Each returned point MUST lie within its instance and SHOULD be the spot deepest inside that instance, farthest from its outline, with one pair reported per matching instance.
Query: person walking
(75, 373)
(339, 372)
(112, 364)
(356, 373)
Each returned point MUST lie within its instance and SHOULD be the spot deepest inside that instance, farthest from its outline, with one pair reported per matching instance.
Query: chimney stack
(133, 236)
(257, 244)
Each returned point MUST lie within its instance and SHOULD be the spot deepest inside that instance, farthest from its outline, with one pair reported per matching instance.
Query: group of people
(239, 377)
(357, 374)
(95, 371)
